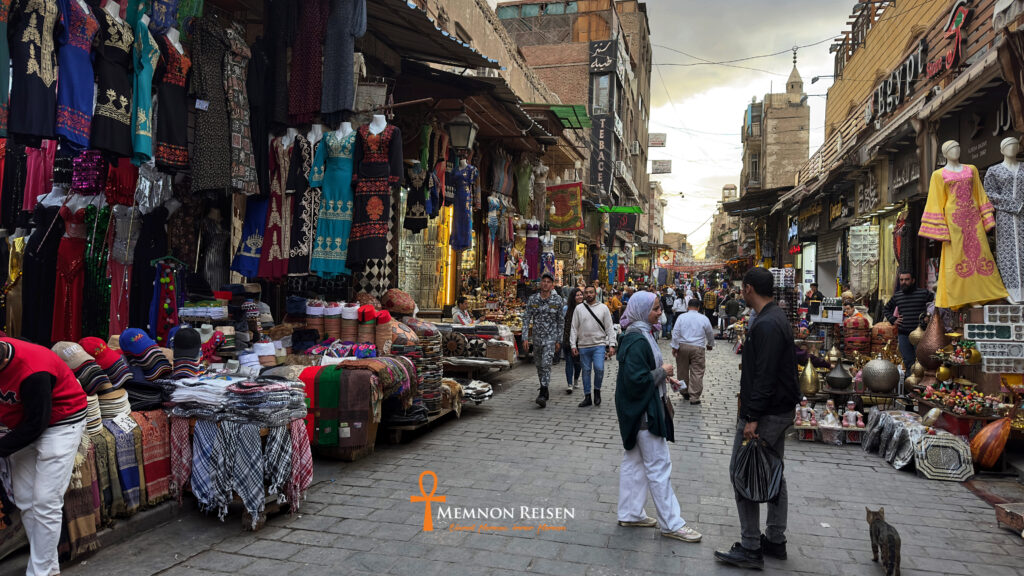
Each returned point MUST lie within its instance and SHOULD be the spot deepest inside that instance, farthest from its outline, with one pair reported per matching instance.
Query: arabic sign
(656, 139)
(661, 166)
(602, 56)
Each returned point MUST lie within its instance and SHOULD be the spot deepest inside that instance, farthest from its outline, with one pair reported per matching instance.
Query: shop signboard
(602, 156)
(661, 166)
(979, 128)
(950, 58)
(602, 56)
(867, 193)
(810, 219)
(839, 209)
(904, 172)
(656, 139)
(898, 87)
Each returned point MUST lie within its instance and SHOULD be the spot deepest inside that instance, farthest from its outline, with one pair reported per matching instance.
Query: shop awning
(619, 209)
(754, 203)
(572, 117)
(412, 33)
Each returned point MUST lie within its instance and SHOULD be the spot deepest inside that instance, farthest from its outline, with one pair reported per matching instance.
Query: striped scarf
(278, 458)
(156, 454)
(302, 465)
(80, 507)
(127, 465)
(210, 475)
(181, 456)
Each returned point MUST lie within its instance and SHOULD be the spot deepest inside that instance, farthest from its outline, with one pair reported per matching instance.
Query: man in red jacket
(43, 405)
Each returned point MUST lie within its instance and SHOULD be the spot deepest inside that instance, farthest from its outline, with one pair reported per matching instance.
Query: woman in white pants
(43, 404)
(645, 425)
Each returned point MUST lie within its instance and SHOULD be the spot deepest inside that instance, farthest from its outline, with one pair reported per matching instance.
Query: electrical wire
(706, 62)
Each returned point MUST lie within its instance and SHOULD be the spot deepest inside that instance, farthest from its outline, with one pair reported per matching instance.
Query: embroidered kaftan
(332, 172)
(377, 162)
(958, 214)
(1005, 187)
(32, 27)
(111, 129)
(466, 181)
(144, 59)
(74, 92)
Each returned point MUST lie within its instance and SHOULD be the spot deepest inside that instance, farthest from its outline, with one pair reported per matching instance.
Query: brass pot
(833, 355)
(931, 417)
(943, 373)
(880, 376)
(974, 356)
(913, 381)
(809, 383)
(917, 369)
(839, 378)
(934, 339)
(916, 335)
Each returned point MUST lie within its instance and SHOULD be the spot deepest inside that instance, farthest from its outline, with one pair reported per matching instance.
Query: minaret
(795, 84)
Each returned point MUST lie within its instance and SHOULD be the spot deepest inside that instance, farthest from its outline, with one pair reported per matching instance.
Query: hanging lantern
(462, 131)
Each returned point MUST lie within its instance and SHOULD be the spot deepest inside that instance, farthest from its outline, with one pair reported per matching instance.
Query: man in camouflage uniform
(544, 321)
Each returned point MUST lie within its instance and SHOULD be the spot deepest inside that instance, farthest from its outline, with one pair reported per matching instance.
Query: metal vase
(839, 378)
(933, 339)
(880, 376)
(809, 384)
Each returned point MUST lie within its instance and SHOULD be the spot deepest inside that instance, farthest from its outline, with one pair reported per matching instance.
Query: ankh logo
(428, 517)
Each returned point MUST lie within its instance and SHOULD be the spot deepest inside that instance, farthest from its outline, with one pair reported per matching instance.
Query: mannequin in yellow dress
(958, 214)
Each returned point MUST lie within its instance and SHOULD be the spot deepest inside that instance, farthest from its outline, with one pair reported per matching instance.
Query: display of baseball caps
(142, 352)
(109, 359)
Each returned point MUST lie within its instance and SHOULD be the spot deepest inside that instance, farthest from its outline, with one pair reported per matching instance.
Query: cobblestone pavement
(359, 520)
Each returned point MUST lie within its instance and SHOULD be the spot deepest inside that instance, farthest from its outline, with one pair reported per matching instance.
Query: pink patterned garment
(181, 456)
(302, 464)
(967, 216)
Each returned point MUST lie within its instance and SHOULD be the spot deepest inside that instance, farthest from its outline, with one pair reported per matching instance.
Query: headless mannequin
(951, 152)
(113, 8)
(463, 163)
(344, 130)
(289, 137)
(175, 38)
(315, 133)
(55, 197)
(172, 206)
(378, 124)
(83, 5)
(145, 20)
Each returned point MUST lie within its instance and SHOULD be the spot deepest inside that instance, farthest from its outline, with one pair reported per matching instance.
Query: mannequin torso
(378, 124)
(289, 137)
(175, 39)
(315, 133)
(113, 8)
(344, 130)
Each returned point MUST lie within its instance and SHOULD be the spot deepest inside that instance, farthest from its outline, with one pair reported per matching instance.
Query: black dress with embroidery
(32, 29)
(171, 149)
(305, 206)
(377, 163)
(112, 118)
(418, 184)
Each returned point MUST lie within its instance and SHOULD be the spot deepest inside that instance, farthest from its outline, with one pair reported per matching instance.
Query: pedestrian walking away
(768, 393)
(645, 424)
(573, 367)
(44, 406)
(691, 337)
(710, 305)
(592, 339)
(904, 310)
(542, 330)
(668, 300)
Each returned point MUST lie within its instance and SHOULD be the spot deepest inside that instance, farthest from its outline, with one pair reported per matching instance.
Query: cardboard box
(497, 352)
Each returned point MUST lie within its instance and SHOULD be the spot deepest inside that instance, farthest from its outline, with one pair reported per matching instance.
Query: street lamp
(462, 131)
(816, 78)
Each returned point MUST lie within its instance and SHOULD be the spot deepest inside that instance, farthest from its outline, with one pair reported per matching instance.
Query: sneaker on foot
(741, 557)
(686, 534)
(645, 523)
(769, 548)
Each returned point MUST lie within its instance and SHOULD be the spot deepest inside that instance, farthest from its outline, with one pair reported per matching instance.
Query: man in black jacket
(904, 310)
(768, 393)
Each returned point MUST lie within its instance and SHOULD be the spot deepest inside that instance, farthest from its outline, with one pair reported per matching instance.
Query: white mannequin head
(1010, 147)
(951, 151)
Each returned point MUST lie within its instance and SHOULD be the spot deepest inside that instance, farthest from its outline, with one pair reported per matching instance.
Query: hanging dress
(282, 22)
(40, 274)
(152, 245)
(96, 293)
(345, 23)
(532, 250)
(417, 181)
(145, 56)
(304, 204)
(276, 243)
(958, 214)
(5, 56)
(332, 173)
(1005, 188)
(33, 27)
(257, 82)
(163, 17)
(215, 244)
(75, 89)
(236, 63)
(466, 180)
(211, 160)
(127, 222)
(171, 77)
(14, 286)
(112, 118)
(67, 295)
(306, 72)
(377, 161)
(547, 256)
(247, 256)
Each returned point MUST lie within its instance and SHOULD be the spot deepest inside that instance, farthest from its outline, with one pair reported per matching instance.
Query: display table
(958, 424)
(901, 439)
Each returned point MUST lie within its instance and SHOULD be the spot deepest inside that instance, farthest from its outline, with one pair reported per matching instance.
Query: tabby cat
(885, 538)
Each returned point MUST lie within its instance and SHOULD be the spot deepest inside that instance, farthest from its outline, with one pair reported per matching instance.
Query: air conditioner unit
(635, 148)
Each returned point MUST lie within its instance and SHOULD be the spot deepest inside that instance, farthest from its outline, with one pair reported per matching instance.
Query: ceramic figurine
(805, 415)
(831, 418)
(852, 418)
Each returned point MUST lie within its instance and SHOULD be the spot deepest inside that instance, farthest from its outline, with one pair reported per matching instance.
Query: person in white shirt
(592, 338)
(679, 306)
(691, 337)
(461, 315)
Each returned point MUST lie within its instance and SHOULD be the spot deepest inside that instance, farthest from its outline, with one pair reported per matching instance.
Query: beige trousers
(690, 369)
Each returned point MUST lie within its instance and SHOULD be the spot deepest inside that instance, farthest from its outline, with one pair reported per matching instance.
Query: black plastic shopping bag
(757, 475)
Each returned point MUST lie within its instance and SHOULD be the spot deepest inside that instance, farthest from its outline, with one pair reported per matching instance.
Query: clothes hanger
(156, 261)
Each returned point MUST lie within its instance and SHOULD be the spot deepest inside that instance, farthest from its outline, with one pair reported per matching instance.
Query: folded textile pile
(428, 358)
(204, 397)
(144, 395)
(110, 360)
(142, 351)
(265, 402)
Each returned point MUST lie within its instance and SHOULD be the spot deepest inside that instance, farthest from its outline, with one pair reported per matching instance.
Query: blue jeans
(572, 366)
(592, 357)
(666, 330)
(907, 352)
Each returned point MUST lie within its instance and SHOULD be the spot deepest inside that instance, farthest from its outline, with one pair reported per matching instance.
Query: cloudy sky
(701, 107)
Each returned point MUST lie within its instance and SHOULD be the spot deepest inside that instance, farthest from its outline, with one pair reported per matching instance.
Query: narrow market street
(508, 453)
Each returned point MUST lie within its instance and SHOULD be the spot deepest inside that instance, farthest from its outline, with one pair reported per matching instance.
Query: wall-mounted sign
(661, 166)
(898, 87)
(810, 219)
(904, 170)
(867, 193)
(656, 139)
(602, 56)
(795, 249)
(602, 155)
(839, 208)
(953, 31)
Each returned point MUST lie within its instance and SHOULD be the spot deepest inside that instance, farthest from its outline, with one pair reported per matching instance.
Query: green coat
(636, 392)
